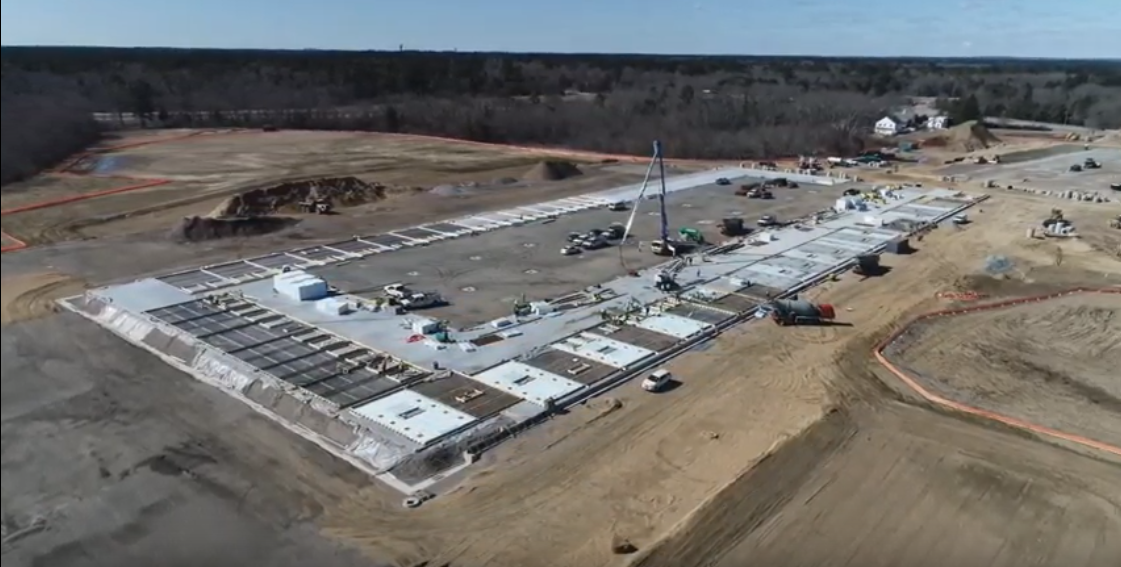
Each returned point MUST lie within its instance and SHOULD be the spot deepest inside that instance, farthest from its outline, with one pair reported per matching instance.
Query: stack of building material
(300, 286)
(333, 306)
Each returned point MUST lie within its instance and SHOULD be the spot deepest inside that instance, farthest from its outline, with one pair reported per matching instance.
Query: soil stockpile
(199, 229)
(966, 137)
(286, 197)
(553, 170)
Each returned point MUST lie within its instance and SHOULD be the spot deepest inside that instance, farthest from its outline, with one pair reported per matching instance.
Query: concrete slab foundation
(371, 387)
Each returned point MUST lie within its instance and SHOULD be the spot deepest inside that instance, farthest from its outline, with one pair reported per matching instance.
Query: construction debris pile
(200, 229)
(552, 170)
(320, 195)
(969, 136)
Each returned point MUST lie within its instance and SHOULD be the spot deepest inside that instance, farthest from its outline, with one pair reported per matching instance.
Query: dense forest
(704, 107)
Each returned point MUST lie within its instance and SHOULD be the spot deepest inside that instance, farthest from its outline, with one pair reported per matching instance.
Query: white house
(937, 122)
(888, 126)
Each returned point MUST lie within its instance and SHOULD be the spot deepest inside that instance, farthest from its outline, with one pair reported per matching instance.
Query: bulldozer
(315, 205)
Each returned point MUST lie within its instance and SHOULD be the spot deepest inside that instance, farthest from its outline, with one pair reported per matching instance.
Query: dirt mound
(199, 229)
(286, 197)
(966, 137)
(553, 170)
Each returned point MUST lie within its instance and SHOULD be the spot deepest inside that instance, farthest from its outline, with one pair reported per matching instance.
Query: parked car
(657, 381)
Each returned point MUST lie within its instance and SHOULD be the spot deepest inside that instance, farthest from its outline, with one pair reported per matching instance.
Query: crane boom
(662, 193)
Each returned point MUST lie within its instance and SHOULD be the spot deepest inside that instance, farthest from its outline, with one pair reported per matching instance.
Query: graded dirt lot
(897, 485)
(202, 170)
(1053, 363)
(127, 460)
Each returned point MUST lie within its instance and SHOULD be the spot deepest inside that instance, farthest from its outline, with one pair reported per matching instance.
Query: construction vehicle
(522, 307)
(867, 265)
(691, 235)
(788, 312)
(746, 189)
(732, 226)
(1091, 163)
(1115, 223)
(315, 205)
(767, 221)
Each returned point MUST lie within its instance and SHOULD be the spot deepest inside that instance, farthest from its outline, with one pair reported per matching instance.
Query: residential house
(937, 122)
(889, 126)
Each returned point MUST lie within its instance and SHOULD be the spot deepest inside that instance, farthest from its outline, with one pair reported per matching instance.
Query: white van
(657, 380)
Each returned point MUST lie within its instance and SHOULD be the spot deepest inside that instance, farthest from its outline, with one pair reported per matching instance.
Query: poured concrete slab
(575, 368)
(464, 394)
(637, 336)
(387, 240)
(414, 416)
(319, 254)
(528, 382)
(674, 325)
(278, 261)
(418, 234)
(445, 228)
(736, 302)
(357, 246)
(604, 350)
(700, 313)
(194, 280)
(233, 270)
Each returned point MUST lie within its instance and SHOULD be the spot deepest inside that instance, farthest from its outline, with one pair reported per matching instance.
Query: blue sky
(1022, 28)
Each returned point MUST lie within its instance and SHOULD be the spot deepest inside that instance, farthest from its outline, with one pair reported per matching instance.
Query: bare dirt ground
(112, 458)
(897, 485)
(879, 483)
(1053, 363)
(205, 169)
(636, 471)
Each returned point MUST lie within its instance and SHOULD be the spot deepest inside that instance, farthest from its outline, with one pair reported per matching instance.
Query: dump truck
(787, 312)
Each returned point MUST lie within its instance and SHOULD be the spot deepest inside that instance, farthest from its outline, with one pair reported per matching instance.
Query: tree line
(702, 107)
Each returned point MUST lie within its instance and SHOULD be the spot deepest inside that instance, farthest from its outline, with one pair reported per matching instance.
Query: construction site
(656, 364)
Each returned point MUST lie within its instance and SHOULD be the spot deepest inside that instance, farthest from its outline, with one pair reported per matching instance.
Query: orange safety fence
(11, 243)
(931, 397)
(84, 197)
(960, 296)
